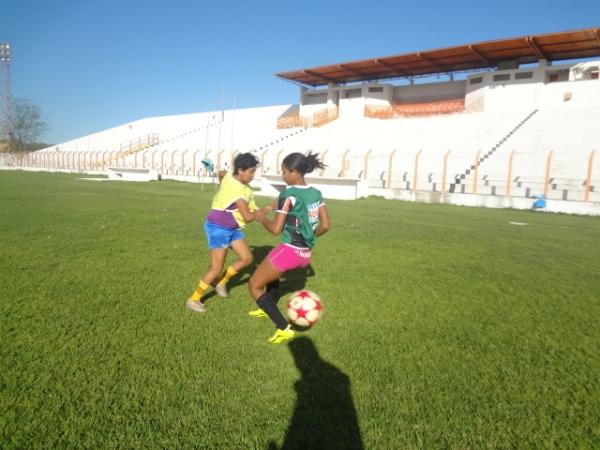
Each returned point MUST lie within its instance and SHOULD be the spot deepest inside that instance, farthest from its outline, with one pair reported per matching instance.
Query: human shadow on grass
(324, 416)
(291, 282)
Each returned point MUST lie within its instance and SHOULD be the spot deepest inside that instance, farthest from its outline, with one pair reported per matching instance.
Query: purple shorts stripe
(285, 257)
(223, 218)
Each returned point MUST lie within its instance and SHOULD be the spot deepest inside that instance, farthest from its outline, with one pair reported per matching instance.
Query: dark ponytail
(303, 164)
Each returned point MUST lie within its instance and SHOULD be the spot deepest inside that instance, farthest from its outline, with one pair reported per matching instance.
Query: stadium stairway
(189, 139)
(459, 179)
(275, 141)
(129, 160)
(130, 147)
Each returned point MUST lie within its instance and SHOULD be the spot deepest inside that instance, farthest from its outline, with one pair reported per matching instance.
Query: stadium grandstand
(483, 124)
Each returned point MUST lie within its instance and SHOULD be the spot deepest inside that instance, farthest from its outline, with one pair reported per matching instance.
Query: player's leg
(217, 260)
(244, 259)
(266, 274)
(218, 241)
(281, 259)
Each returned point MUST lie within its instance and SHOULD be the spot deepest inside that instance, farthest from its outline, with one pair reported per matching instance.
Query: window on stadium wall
(502, 77)
(352, 93)
(315, 99)
(553, 77)
(523, 75)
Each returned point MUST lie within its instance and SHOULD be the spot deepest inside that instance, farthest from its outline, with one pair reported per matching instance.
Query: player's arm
(275, 225)
(267, 208)
(249, 216)
(270, 207)
(324, 222)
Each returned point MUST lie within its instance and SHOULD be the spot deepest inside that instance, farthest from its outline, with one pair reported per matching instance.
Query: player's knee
(253, 285)
(246, 260)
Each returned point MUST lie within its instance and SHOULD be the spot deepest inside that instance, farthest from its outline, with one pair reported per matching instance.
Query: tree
(26, 125)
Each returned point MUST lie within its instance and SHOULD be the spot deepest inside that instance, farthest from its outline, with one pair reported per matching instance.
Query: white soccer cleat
(196, 306)
(221, 290)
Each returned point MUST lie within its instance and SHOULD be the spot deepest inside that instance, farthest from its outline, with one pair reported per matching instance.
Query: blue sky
(91, 65)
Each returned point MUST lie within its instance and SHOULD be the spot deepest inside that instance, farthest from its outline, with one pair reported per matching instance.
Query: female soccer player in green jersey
(301, 216)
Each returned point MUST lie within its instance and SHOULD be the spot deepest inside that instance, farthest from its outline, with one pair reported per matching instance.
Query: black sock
(267, 304)
(273, 290)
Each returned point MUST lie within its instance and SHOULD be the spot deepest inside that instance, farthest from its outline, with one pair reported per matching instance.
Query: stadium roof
(526, 49)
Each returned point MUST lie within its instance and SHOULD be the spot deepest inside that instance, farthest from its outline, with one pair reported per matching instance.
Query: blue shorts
(221, 237)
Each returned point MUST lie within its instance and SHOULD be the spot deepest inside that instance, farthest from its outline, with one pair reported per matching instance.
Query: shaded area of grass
(454, 328)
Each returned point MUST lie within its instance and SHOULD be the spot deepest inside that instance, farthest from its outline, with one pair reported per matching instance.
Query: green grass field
(444, 327)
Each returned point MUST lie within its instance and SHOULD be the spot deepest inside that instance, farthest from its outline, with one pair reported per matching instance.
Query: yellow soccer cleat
(258, 313)
(282, 336)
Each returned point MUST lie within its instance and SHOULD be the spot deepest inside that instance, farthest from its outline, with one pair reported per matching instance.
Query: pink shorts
(285, 257)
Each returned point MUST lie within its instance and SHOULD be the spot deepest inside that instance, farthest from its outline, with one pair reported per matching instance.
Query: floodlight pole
(221, 119)
(5, 91)
(207, 126)
(232, 123)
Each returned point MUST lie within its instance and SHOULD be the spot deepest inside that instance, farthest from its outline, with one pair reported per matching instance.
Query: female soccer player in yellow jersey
(233, 206)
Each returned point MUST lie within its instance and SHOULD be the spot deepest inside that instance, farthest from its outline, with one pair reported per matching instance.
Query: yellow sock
(200, 290)
(228, 274)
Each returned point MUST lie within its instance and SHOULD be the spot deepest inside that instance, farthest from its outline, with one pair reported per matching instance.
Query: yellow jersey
(223, 210)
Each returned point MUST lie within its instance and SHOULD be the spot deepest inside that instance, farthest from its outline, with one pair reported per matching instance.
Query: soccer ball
(304, 308)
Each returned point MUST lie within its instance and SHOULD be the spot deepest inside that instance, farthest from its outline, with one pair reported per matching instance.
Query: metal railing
(406, 170)
(318, 119)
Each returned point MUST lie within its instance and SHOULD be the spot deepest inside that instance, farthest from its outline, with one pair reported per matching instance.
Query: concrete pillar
(333, 96)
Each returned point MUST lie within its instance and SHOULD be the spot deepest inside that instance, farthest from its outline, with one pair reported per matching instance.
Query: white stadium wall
(519, 135)
(579, 94)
